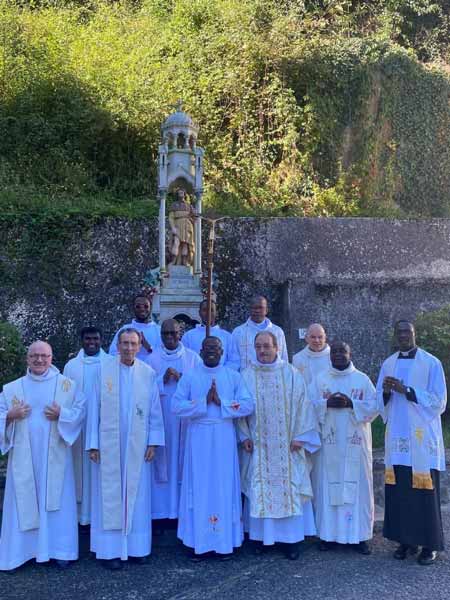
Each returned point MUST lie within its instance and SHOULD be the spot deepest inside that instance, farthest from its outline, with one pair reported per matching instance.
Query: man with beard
(148, 330)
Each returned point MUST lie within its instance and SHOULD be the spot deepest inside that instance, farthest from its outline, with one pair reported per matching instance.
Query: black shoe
(363, 548)
(258, 548)
(195, 558)
(405, 550)
(427, 557)
(115, 564)
(324, 546)
(292, 551)
(224, 557)
(139, 560)
(62, 564)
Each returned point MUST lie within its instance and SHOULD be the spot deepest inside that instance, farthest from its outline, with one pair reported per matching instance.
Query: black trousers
(413, 516)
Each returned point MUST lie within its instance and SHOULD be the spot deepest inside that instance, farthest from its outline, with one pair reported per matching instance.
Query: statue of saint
(181, 219)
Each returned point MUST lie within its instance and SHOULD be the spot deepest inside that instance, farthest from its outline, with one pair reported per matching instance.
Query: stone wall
(354, 275)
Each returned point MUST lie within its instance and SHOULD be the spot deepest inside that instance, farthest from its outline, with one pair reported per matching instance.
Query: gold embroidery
(109, 385)
(15, 401)
(419, 435)
(422, 481)
(389, 476)
(66, 385)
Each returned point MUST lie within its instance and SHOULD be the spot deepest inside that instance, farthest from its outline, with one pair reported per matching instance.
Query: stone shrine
(180, 172)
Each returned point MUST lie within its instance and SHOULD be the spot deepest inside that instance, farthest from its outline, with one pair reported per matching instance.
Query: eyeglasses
(39, 356)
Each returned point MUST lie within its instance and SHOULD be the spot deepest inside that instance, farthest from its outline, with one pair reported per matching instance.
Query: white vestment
(243, 343)
(275, 480)
(128, 419)
(343, 481)
(210, 502)
(85, 371)
(40, 508)
(311, 363)
(414, 432)
(193, 340)
(151, 332)
(168, 462)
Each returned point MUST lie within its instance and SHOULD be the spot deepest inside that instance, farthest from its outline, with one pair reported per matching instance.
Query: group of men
(223, 434)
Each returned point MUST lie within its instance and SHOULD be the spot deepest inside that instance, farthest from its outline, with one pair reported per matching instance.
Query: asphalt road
(169, 575)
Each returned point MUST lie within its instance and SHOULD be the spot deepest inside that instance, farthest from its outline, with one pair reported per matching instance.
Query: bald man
(315, 356)
(41, 416)
(243, 337)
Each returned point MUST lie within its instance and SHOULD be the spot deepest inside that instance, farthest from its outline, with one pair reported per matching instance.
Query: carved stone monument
(180, 172)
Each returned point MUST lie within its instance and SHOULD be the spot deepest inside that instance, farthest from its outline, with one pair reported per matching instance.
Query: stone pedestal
(180, 294)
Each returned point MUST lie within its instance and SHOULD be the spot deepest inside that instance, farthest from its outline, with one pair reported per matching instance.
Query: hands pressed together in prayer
(171, 374)
(339, 400)
(213, 396)
(18, 412)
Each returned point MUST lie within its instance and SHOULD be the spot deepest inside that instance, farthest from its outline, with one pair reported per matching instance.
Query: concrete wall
(354, 275)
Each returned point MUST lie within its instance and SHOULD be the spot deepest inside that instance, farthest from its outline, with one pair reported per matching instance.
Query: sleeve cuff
(411, 395)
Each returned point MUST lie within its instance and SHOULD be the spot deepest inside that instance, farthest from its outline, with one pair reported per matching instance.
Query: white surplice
(311, 363)
(414, 430)
(343, 481)
(168, 463)
(243, 343)
(276, 481)
(193, 340)
(151, 332)
(210, 504)
(85, 371)
(56, 536)
(133, 538)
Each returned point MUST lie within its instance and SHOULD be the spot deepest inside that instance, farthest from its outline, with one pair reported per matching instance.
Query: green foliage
(433, 334)
(304, 107)
(12, 353)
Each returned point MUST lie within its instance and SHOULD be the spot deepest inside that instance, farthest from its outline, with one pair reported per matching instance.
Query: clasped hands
(149, 455)
(171, 374)
(212, 396)
(339, 400)
(392, 384)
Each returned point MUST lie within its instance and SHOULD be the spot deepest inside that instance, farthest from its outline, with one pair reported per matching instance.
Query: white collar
(50, 373)
(348, 371)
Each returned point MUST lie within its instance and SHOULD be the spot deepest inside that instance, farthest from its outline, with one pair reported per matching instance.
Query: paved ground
(169, 575)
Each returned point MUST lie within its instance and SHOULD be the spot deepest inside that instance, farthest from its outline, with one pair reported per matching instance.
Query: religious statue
(181, 220)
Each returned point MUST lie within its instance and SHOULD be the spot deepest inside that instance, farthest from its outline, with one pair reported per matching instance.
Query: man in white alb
(276, 440)
(315, 356)
(345, 401)
(243, 337)
(41, 415)
(122, 440)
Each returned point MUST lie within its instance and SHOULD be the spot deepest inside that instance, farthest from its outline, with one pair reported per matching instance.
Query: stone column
(198, 235)
(162, 231)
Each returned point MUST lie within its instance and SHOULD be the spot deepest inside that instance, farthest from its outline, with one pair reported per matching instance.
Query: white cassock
(128, 419)
(276, 481)
(243, 343)
(85, 371)
(151, 332)
(168, 462)
(193, 340)
(343, 481)
(40, 507)
(210, 504)
(311, 363)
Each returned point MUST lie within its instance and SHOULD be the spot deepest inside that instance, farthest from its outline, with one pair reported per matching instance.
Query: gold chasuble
(115, 514)
(275, 479)
(21, 460)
